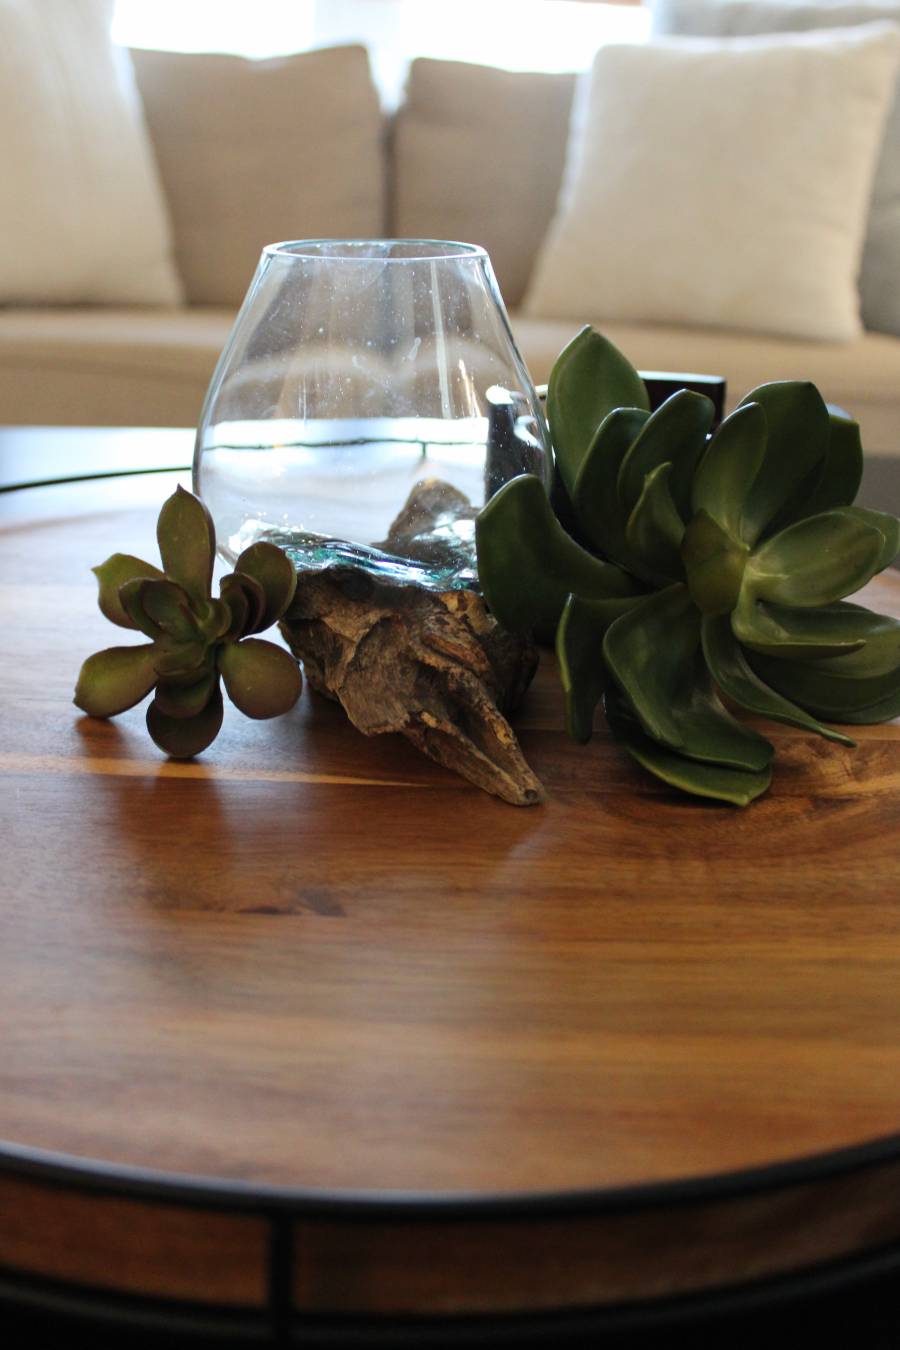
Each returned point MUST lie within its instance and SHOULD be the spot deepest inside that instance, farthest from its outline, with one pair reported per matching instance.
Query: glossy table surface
(318, 973)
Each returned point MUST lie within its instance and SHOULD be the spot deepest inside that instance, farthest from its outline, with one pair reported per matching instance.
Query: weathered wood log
(432, 665)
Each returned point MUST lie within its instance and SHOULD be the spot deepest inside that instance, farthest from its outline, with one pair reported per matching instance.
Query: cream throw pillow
(879, 282)
(82, 218)
(722, 183)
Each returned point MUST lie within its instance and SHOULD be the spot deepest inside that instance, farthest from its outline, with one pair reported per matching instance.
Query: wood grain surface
(312, 960)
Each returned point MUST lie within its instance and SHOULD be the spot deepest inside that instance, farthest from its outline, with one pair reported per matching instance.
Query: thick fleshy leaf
(166, 605)
(814, 686)
(796, 444)
(579, 651)
(732, 673)
(834, 481)
(186, 700)
(879, 653)
(738, 787)
(595, 501)
(842, 471)
(255, 597)
(885, 710)
(813, 634)
(261, 679)
(131, 598)
(889, 528)
(181, 662)
(654, 654)
(213, 619)
(112, 574)
(236, 600)
(675, 434)
(816, 561)
(187, 543)
(655, 529)
(275, 573)
(590, 378)
(714, 562)
(184, 737)
(729, 467)
(114, 680)
(528, 565)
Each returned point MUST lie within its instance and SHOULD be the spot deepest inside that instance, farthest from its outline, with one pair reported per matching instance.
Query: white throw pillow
(722, 183)
(879, 283)
(82, 217)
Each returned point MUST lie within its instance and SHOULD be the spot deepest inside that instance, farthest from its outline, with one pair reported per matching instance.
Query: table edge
(198, 1189)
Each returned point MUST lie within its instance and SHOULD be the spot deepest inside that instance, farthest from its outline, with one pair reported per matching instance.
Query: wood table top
(319, 963)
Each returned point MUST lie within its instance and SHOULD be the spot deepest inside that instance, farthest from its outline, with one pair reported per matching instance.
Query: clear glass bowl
(369, 401)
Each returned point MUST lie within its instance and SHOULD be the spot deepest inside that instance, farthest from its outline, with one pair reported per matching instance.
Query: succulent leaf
(187, 543)
(184, 737)
(798, 430)
(235, 599)
(732, 673)
(528, 565)
(814, 634)
(834, 697)
(594, 494)
(114, 680)
(256, 601)
(180, 662)
(275, 573)
(213, 619)
(186, 700)
(113, 574)
(655, 529)
(579, 651)
(166, 605)
(654, 654)
(889, 528)
(714, 563)
(834, 481)
(738, 787)
(676, 433)
(589, 379)
(131, 598)
(883, 710)
(261, 679)
(816, 561)
(729, 467)
(879, 651)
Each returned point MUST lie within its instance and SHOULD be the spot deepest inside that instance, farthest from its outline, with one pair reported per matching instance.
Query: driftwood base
(432, 665)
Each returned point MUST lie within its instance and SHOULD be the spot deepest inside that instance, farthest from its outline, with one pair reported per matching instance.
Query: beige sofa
(250, 152)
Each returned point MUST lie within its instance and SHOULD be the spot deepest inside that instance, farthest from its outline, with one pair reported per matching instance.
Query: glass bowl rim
(431, 250)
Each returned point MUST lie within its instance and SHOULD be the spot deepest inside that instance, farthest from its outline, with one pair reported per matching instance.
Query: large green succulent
(709, 564)
(195, 639)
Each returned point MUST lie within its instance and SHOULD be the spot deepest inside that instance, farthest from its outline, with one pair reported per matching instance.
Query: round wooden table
(308, 1033)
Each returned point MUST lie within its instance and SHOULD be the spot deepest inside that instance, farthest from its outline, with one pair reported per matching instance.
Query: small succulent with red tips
(196, 641)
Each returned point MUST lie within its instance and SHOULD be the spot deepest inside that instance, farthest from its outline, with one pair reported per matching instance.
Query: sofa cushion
(478, 155)
(108, 367)
(723, 182)
(254, 152)
(879, 282)
(151, 367)
(82, 215)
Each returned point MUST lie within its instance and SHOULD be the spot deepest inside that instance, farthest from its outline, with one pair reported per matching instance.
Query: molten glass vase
(369, 401)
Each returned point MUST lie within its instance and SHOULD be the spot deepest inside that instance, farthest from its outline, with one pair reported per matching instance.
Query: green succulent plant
(707, 564)
(194, 639)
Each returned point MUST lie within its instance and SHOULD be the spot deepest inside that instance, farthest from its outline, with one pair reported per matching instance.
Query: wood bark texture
(434, 666)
